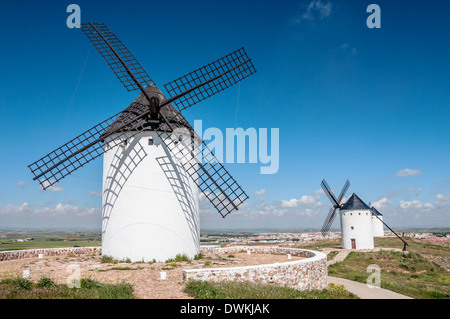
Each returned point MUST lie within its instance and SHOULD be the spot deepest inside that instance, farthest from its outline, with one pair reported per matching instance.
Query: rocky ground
(145, 277)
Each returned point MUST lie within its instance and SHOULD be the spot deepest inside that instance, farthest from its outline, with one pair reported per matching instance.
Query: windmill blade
(343, 191)
(119, 58)
(86, 147)
(210, 79)
(328, 221)
(398, 236)
(211, 177)
(326, 188)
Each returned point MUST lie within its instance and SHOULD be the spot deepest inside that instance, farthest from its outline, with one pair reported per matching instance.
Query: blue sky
(368, 105)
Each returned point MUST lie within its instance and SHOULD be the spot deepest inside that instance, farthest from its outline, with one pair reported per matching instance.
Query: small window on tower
(351, 227)
(150, 141)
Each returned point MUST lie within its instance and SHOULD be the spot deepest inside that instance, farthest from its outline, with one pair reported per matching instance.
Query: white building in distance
(377, 224)
(356, 224)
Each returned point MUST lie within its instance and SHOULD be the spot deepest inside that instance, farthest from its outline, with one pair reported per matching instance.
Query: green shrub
(243, 290)
(89, 284)
(179, 258)
(45, 282)
(108, 260)
(198, 256)
(23, 283)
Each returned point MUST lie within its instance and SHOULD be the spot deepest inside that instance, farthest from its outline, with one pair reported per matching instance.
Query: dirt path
(363, 291)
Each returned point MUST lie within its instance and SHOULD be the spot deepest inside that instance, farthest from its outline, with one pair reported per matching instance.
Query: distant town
(296, 238)
(56, 238)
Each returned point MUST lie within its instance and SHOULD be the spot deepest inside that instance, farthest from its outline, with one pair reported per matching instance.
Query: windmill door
(353, 243)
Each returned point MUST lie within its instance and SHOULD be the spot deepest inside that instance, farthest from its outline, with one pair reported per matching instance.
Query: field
(48, 239)
(422, 273)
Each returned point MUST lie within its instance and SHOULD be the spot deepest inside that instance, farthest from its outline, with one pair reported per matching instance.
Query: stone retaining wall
(304, 274)
(30, 253)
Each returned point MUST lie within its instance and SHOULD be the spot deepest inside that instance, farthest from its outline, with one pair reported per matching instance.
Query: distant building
(377, 224)
(356, 224)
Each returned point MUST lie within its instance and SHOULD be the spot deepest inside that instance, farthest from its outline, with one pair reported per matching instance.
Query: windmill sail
(84, 148)
(326, 188)
(328, 221)
(211, 177)
(119, 58)
(336, 204)
(343, 191)
(210, 79)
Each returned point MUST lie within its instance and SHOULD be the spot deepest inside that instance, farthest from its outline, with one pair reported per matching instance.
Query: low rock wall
(304, 274)
(32, 253)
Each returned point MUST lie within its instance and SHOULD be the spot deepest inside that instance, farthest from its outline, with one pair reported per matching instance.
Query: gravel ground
(144, 277)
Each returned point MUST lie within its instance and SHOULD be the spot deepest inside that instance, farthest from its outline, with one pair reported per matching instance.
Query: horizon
(240, 230)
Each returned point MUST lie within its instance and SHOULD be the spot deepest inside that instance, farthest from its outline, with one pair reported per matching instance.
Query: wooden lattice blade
(85, 147)
(217, 75)
(116, 54)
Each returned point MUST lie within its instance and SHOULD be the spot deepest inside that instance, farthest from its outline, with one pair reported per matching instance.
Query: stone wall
(304, 274)
(30, 253)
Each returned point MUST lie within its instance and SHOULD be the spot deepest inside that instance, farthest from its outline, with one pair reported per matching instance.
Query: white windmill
(356, 224)
(377, 222)
(355, 217)
(154, 162)
(358, 227)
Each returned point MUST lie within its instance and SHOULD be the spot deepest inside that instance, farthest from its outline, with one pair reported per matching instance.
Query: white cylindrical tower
(150, 205)
(377, 224)
(356, 224)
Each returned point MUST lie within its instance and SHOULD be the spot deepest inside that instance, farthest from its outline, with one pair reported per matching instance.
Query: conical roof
(375, 211)
(354, 203)
(140, 105)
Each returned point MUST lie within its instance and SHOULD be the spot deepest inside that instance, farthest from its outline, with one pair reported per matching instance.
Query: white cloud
(305, 200)
(318, 192)
(59, 210)
(260, 192)
(346, 49)
(314, 9)
(21, 184)
(382, 203)
(408, 172)
(442, 200)
(46, 183)
(95, 193)
(415, 205)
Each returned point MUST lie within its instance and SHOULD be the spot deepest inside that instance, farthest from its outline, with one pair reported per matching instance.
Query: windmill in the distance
(355, 218)
(360, 222)
(377, 222)
(336, 202)
(154, 162)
